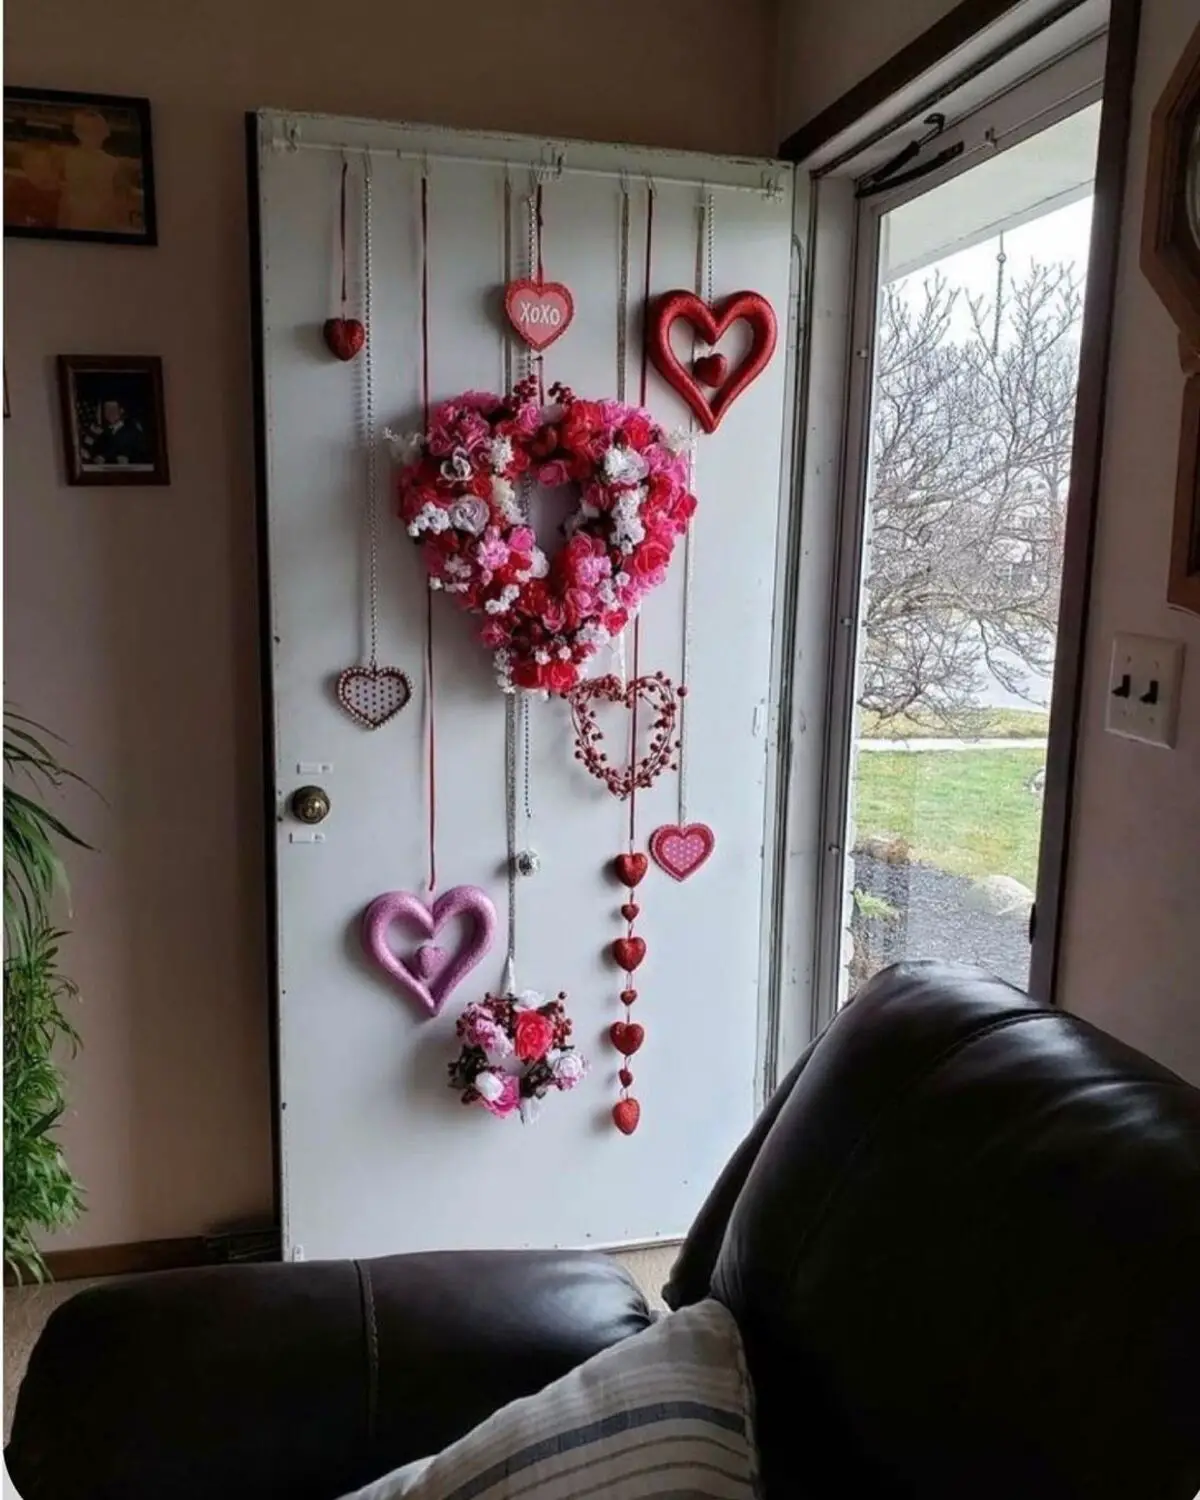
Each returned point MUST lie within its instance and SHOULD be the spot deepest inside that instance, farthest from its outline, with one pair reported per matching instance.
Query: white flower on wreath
(624, 465)
(541, 564)
(567, 1068)
(429, 518)
(405, 447)
(500, 454)
(488, 1085)
(591, 634)
(458, 465)
(680, 440)
(505, 500)
(504, 600)
(469, 514)
(530, 999)
(628, 529)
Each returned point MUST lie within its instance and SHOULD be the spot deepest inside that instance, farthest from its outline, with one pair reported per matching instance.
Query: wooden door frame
(933, 47)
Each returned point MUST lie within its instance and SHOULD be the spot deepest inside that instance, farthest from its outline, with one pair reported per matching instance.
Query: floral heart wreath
(544, 616)
(514, 1051)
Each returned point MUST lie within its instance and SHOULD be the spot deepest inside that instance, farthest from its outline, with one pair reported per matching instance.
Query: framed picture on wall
(78, 167)
(114, 419)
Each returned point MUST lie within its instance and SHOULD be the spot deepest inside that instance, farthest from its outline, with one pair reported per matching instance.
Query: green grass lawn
(982, 724)
(966, 811)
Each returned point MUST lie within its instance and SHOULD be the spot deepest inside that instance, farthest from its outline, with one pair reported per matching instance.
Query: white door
(377, 1153)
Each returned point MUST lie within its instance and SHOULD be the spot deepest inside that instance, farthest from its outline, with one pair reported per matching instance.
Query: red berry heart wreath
(458, 496)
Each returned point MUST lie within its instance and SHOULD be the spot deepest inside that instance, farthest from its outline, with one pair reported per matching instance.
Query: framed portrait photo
(78, 167)
(114, 419)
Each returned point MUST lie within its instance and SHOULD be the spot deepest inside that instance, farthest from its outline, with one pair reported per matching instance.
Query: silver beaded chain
(368, 422)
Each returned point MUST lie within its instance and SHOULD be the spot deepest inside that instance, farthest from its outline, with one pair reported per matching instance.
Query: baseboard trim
(141, 1256)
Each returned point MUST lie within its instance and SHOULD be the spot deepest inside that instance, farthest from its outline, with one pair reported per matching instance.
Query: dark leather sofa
(962, 1243)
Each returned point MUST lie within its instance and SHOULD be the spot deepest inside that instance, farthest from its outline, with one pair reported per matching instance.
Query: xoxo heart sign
(711, 323)
(540, 311)
(433, 972)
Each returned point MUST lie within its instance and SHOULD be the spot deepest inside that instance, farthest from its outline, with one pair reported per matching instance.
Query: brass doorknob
(310, 804)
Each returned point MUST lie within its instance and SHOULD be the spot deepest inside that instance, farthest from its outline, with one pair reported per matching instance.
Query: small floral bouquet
(515, 1049)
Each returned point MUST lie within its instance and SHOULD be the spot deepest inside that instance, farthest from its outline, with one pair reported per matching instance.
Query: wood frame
(149, 365)
(1170, 257)
(138, 106)
(1183, 583)
(926, 52)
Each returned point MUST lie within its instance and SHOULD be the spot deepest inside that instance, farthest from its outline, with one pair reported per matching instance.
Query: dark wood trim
(953, 31)
(1183, 585)
(266, 654)
(1066, 705)
(1169, 260)
(229, 1247)
(126, 1260)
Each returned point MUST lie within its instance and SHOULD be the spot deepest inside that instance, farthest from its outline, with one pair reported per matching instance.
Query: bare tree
(971, 450)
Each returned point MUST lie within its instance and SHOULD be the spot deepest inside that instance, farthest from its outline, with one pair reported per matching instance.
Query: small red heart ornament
(681, 850)
(627, 1037)
(711, 370)
(626, 1113)
(626, 1078)
(628, 996)
(631, 911)
(631, 868)
(629, 952)
(711, 323)
(540, 311)
(344, 337)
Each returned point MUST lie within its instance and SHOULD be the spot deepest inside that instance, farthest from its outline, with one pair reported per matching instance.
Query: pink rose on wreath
(492, 552)
(534, 1035)
(493, 635)
(478, 1029)
(554, 473)
(499, 1093)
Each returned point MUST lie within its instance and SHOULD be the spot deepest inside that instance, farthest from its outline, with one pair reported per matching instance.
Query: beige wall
(131, 614)
(1132, 936)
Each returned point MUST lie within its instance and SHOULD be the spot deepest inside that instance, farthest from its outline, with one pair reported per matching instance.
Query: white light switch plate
(1143, 689)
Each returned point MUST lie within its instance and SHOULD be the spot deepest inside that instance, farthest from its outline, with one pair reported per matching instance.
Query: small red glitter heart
(629, 952)
(344, 337)
(626, 1113)
(711, 370)
(628, 997)
(630, 911)
(631, 868)
(627, 1037)
(626, 1078)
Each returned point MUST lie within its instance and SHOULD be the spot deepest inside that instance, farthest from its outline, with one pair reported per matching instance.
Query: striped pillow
(667, 1412)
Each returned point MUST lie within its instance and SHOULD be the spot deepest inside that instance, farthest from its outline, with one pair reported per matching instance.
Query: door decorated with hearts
(524, 529)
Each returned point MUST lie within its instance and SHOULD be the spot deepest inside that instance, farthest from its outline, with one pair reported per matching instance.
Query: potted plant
(40, 1193)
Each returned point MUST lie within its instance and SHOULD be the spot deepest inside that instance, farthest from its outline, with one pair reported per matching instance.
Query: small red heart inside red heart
(711, 370)
(626, 1114)
(344, 337)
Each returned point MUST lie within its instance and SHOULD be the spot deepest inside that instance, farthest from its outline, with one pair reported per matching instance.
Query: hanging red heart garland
(544, 616)
(710, 323)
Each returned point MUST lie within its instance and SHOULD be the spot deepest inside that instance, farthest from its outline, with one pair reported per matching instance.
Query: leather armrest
(298, 1380)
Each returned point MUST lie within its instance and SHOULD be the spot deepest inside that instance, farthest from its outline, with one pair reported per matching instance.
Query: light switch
(1143, 689)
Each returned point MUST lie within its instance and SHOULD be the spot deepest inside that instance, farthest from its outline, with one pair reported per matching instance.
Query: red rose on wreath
(534, 1034)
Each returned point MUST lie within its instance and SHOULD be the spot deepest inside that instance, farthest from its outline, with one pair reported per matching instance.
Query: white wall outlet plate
(1143, 689)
